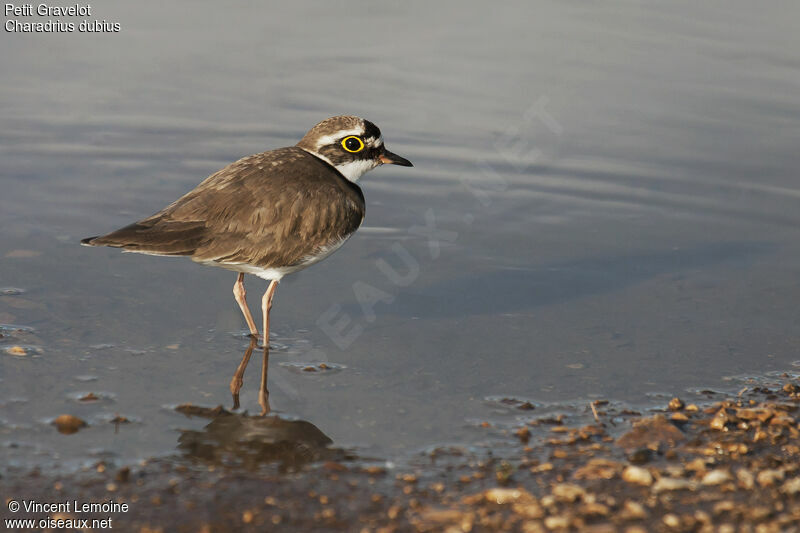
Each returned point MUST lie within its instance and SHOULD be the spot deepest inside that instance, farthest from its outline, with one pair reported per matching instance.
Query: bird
(269, 214)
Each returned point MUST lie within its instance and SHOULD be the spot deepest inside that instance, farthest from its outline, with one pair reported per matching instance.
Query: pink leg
(240, 294)
(266, 305)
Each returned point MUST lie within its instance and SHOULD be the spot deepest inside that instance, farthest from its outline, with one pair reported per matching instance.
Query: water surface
(604, 204)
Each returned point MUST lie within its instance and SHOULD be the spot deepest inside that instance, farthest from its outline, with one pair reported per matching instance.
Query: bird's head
(351, 144)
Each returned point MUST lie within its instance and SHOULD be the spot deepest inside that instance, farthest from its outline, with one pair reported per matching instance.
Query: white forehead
(325, 140)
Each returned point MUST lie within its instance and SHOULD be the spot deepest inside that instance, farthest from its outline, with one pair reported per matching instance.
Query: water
(604, 204)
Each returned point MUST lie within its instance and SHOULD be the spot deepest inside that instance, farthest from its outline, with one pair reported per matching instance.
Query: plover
(268, 214)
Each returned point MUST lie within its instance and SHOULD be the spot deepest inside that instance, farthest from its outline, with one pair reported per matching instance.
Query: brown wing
(270, 209)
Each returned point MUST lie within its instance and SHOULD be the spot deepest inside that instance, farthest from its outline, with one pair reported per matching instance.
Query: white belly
(276, 273)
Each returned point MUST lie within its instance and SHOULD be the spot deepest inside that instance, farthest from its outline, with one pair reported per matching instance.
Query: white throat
(355, 169)
(352, 170)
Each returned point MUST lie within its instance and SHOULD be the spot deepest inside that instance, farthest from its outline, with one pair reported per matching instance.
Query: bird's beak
(388, 158)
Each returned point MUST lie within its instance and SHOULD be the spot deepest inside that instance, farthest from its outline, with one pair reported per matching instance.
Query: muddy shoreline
(730, 464)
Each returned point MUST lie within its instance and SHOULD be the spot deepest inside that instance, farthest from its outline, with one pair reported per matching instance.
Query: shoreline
(729, 464)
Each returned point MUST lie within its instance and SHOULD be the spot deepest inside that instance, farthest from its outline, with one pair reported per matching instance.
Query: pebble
(770, 477)
(719, 420)
(556, 522)
(68, 424)
(598, 469)
(675, 404)
(792, 486)
(746, 478)
(502, 496)
(567, 492)
(671, 483)
(638, 475)
(671, 520)
(651, 431)
(633, 510)
(717, 477)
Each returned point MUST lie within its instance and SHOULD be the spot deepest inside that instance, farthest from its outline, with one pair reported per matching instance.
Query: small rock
(502, 496)
(593, 509)
(746, 478)
(675, 404)
(19, 351)
(598, 469)
(529, 526)
(782, 420)
(792, 486)
(530, 510)
(544, 467)
(671, 520)
(632, 510)
(766, 478)
(702, 517)
(665, 484)
(441, 516)
(724, 507)
(698, 464)
(719, 420)
(717, 477)
(123, 474)
(641, 456)
(68, 424)
(556, 522)
(393, 512)
(638, 475)
(567, 492)
(651, 431)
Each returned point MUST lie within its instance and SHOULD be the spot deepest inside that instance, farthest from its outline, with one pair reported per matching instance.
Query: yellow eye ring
(352, 144)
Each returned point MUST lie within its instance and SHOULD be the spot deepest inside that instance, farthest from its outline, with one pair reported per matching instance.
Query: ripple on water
(10, 330)
(92, 397)
(513, 402)
(313, 368)
(11, 291)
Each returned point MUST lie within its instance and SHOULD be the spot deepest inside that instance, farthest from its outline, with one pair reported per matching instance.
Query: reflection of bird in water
(236, 380)
(232, 439)
(269, 214)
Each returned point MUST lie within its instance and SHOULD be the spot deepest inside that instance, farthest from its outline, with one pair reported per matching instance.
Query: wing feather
(256, 211)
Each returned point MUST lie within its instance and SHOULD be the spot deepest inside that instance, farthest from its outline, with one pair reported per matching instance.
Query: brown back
(270, 210)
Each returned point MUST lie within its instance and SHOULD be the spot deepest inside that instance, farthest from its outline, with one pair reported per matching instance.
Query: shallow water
(604, 204)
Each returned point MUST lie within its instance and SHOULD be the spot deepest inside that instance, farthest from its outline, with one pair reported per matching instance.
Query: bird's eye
(352, 144)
